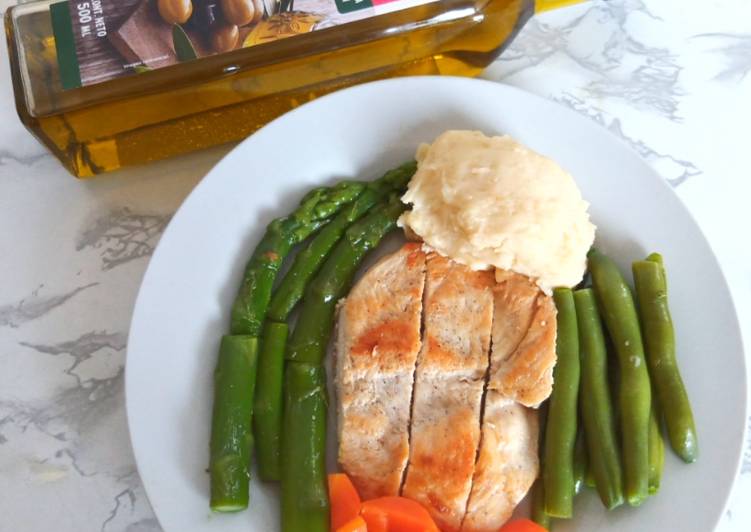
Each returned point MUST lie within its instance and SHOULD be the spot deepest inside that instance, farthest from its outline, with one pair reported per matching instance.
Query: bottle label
(100, 40)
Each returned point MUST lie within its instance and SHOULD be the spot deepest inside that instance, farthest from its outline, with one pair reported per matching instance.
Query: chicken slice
(377, 345)
(507, 463)
(451, 367)
(524, 331)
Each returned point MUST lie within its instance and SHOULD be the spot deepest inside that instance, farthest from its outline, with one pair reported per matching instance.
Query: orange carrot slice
(345, 502)
(522, 525)
(355, 525)
(396, 514)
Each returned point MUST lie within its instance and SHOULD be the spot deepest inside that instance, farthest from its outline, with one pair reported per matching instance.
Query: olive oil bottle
(110, 83)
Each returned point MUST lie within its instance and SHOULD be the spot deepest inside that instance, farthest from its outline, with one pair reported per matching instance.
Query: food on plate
(268, 407)
(304, 496)
(523, 347)
(522, 525)
(560, 431)
(656, 448)
(449, 378)
(634, 392)
(379, 353)
(446, 352)
(230, 445)
(345, 501)
(396, 514)
(491, 201)
(374, 389)
(229, 468)
(659, 340)
(304, 493)
(596, 406)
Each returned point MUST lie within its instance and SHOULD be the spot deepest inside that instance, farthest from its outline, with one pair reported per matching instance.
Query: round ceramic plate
(183, 306)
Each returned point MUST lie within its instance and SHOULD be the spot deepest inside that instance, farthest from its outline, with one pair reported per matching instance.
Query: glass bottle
(149, 110)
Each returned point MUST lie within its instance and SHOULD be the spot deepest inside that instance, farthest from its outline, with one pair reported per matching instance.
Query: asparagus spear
(309, 260)
(305, 501)
(311, 336)
(267, 419)
(230, 445)
(316, 208)
(267, 410)
(235, 375)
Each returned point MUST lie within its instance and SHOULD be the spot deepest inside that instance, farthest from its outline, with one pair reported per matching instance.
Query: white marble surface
(672, 78)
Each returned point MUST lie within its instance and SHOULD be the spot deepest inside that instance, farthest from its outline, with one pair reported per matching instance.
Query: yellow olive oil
(161, 112)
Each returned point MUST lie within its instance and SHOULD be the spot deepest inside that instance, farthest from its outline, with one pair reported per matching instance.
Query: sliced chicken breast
(449, 382)
(377, 345)
(507, 463)
(524, 331)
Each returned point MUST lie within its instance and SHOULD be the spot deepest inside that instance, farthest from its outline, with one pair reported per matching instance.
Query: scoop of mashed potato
(492, 202)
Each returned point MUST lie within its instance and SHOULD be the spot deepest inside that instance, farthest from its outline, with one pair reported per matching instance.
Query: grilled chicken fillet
(443, 415)
(378, 342)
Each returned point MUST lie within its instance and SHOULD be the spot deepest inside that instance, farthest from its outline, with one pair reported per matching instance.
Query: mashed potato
(492, 202)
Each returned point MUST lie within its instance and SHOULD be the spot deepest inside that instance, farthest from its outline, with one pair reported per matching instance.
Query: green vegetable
(537, 512)
(311, 335)
(305, 501)
(320, 204)
(634, 396)
(596, 406)
(656, 450)
(659, 337)
(309, 260)
(267, 419)
(231, 441)
(560, 432)
(581, 460)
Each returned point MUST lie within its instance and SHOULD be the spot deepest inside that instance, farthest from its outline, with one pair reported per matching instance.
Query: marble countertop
(672, 78)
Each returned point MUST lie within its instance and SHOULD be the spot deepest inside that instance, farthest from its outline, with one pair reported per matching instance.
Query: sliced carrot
(355, 525)
(396, 514)
(345, 502)
(522, 525)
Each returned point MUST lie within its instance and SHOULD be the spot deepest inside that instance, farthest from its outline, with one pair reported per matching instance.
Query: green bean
(231, 440)
(597, 410)
(537, 512)
(656, 450)
(581, 460)
(305, 500)
(267, 418)
(651, 289)
(634, 396)
(560, 432)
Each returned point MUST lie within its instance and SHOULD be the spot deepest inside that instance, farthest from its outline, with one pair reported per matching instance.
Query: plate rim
(237, 150)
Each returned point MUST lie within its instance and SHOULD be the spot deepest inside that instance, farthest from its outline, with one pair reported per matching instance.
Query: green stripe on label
(346, 6)
(70, 74)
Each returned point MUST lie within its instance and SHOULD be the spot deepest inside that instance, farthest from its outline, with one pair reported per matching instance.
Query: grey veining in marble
(35, 306)
(122, 236)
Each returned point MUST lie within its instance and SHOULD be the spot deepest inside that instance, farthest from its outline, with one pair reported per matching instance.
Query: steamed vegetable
(309, 260)
(397, 514)
(234, 387)
(634, 396)
(659, 339)
(305, 500)
(315, 322)
(267, 414)
(560, 431)
(316, 208)
(230, 445)
(656, 450)
(345, 501)
(596, 407)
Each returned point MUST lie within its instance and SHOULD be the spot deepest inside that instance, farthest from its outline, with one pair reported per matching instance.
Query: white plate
(184, 302)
